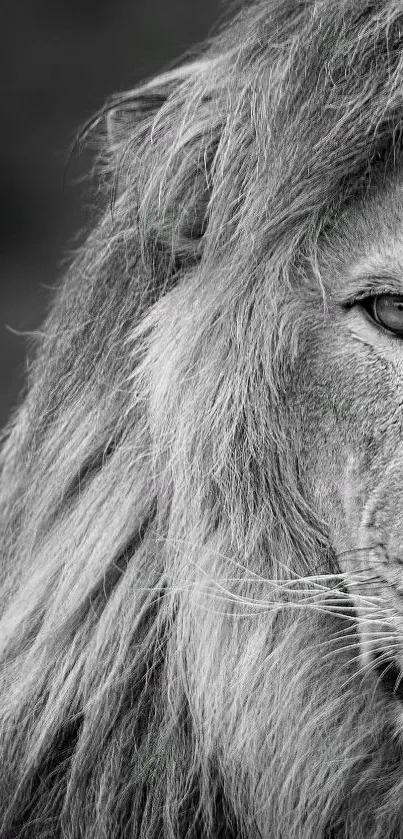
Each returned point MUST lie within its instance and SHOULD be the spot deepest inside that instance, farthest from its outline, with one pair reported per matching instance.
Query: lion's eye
(387, 310)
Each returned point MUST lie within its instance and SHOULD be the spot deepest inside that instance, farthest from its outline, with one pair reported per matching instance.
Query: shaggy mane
(169, 667)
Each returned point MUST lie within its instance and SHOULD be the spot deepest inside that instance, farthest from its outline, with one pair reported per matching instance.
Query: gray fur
(172, 663)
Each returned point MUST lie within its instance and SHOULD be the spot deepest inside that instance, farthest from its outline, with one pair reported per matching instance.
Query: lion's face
(350, 374)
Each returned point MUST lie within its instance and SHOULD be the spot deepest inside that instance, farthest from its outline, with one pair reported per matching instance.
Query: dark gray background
(60, 62)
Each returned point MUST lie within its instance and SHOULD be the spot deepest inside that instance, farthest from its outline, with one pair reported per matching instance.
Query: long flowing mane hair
(159, 676)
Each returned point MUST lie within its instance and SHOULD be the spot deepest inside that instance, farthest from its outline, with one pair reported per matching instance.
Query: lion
(201, 626)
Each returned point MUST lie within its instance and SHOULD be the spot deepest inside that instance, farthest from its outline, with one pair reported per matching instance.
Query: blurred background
(60, 62)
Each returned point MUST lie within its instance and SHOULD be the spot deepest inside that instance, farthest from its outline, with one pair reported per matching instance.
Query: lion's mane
(157, 677)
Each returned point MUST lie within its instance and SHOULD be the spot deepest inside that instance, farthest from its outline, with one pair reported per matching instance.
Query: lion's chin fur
(168, 666)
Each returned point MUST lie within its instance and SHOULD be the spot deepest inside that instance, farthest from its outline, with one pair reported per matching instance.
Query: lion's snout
(373, 570)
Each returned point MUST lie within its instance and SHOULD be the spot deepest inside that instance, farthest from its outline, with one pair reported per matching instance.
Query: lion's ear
(124, 112)
(161, 156)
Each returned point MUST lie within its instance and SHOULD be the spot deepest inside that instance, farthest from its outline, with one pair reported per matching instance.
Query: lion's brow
(367, 278)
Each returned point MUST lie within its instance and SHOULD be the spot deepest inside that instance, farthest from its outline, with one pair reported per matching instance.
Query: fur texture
(178, 652)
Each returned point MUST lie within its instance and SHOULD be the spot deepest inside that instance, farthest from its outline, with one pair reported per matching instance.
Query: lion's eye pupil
(387, 310)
